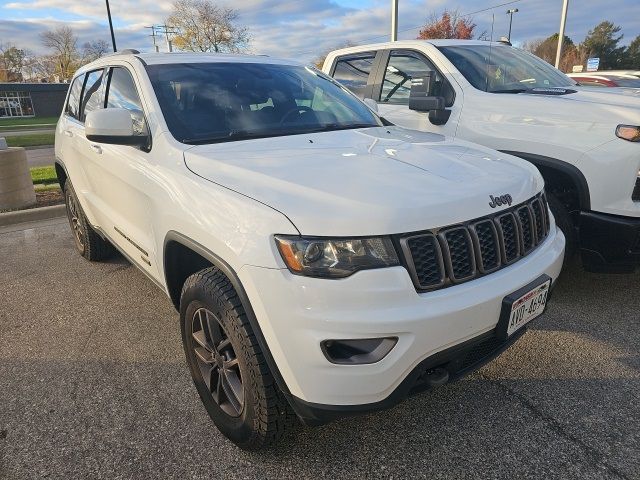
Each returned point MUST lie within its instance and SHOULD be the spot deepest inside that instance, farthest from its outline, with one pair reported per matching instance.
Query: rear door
(356, 71)
(121, 174)
(393, 83)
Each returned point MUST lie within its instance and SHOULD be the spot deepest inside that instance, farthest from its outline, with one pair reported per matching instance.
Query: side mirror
(113, 126)
(420, 98)
(372, 104)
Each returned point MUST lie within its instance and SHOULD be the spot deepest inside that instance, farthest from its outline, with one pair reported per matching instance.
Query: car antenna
(486, 80)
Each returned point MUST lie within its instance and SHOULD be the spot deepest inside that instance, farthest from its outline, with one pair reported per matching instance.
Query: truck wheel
(565, 223)
(90, 245)
(227, 365)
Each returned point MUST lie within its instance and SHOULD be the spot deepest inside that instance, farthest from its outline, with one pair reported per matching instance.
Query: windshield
(503, 69)
(218, 102)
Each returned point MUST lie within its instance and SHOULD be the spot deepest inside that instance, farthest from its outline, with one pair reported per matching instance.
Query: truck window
(353, 71)
(122, 93)
(402, 66)
(92, 96)
(73, 102)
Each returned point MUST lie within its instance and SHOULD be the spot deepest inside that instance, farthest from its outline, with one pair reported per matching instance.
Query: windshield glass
(218, 102)
(503, 69)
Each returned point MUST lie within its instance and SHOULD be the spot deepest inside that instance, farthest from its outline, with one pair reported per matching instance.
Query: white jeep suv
(584, 141)
(323, 264)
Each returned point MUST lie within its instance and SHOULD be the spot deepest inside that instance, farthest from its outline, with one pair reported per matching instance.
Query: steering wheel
(300, 109)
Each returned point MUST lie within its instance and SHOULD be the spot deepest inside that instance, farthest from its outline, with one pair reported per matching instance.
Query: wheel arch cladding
(559, 175)
(184, 257)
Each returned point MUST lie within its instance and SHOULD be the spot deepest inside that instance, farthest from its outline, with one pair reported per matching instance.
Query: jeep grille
(443, 257)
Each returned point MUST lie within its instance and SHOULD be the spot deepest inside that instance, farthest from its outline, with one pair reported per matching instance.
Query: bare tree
(93, 50)
(64, 44)
(203, 26)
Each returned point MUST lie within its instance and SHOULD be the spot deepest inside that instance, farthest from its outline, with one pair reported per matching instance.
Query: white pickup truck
(584, 141)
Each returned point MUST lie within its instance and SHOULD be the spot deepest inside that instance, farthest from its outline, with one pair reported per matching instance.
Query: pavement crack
(595, 458)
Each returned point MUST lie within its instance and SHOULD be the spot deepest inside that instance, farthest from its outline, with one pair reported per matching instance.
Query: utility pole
(394, 20)
(113, 37)
(563, 23)
(510, 12)
(165, 29)
(153, 35)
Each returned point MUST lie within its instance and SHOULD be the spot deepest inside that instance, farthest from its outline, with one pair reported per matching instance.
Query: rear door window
(92, 98)
(353, 71)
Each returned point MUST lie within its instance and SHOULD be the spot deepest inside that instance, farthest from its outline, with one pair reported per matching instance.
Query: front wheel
(227, 365)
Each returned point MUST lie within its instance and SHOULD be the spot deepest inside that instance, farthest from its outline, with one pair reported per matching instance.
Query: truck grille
(447, 256)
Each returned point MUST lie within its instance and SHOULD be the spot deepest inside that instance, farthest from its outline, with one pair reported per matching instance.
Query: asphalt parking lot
(93, 385)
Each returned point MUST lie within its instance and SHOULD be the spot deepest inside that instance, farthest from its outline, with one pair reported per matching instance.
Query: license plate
(522, 306)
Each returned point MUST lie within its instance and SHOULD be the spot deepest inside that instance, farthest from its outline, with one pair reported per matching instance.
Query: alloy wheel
(218, 362)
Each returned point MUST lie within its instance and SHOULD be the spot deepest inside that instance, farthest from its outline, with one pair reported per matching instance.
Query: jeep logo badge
(501, 200)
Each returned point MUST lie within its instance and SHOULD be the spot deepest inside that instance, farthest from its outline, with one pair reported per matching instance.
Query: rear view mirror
(420, 98)
(112, 126)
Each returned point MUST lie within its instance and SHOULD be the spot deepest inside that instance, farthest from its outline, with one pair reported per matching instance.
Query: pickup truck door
(392, 84)
(119, 175)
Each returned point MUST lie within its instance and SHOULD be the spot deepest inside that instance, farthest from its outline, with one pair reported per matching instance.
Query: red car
(606, 80)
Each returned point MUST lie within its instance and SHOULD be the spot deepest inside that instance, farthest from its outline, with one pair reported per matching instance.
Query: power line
(422, 25)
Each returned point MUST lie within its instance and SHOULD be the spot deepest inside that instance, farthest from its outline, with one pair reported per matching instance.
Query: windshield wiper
(511, 90)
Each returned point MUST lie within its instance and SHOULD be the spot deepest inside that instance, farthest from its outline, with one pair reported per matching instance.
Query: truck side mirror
(420, 97)
(422, 100)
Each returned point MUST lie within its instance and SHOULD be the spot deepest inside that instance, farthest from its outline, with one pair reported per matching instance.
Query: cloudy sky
(304, 28)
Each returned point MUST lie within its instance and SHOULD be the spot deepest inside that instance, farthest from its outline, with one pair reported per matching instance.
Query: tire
(565, 223)
(222, 350)
(89, 244)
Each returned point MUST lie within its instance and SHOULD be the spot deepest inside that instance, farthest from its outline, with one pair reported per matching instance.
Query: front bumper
(297, 313)
(609, 243)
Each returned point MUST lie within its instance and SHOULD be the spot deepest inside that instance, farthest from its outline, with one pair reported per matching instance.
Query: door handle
(68, 133)
(96, 148)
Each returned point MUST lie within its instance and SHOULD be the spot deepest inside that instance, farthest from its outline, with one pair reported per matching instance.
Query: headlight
(628, 132)
(335, 258)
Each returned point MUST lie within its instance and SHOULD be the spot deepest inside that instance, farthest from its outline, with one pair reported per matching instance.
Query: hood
(614, 96)
(372, 181)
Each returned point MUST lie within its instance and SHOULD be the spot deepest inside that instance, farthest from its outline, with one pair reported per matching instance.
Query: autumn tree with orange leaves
(449, 25)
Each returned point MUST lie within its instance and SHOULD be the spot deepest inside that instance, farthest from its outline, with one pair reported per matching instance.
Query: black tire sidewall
(240, 430)
(69, 192)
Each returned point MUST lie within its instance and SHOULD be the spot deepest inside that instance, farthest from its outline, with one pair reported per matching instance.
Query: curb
(32, 215)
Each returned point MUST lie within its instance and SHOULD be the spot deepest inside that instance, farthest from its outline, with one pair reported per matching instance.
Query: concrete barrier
(16, 186)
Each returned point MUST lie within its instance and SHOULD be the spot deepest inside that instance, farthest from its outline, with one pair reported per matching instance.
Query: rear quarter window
(73, 102)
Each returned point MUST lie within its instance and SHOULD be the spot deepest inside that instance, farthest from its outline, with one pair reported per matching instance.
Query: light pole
(113, 37)
(394, 20)
(510, 12)
(563, 23)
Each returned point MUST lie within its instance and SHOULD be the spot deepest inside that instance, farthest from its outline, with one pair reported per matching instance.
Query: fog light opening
(359, 351)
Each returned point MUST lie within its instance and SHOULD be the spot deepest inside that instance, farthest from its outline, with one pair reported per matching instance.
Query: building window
(16, 104)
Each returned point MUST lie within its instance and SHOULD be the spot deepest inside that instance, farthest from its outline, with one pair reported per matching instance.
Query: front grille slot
(458, 254)
(635, 196)
(525, 218)
(441, 258)
(509, 233)
(425, 260)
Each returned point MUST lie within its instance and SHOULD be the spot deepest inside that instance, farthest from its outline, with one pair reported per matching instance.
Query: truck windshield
(504, 69)
(224, 101)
